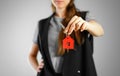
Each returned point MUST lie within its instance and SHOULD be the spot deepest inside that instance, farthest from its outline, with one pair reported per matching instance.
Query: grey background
(18, 19)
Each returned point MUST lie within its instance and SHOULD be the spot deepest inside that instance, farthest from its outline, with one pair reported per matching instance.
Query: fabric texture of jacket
(78, 62)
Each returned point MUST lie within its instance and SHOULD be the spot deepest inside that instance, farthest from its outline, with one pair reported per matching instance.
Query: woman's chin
(60, 7)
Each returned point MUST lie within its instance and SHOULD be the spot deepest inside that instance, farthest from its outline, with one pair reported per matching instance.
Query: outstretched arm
(77, 23)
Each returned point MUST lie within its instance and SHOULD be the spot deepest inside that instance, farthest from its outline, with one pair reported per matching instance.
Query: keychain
(68, 41)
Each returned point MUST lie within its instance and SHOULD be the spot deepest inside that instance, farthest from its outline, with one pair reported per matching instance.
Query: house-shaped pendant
(68, 43)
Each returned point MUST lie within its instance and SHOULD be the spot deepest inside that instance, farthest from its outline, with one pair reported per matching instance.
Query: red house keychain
(68, 43)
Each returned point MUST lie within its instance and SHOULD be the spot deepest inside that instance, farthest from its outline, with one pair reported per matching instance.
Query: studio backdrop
(19, 18)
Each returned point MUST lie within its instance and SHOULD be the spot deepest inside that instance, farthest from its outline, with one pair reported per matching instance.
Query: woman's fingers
(40, 67)
(68, 29)
(84, 26)
(79, 24)
(74, 24)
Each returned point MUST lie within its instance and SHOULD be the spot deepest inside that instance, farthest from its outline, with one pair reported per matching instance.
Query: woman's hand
(40, 66)
(76, 23)
(33, 58)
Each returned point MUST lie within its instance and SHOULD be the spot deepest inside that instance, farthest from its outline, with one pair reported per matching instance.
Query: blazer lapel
(45, 41)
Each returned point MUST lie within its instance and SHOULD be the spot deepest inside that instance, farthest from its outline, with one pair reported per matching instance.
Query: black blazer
(76, 63)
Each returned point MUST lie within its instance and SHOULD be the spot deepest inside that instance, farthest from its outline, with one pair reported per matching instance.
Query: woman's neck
(60, 13)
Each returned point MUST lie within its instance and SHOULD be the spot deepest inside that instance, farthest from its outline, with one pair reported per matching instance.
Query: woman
(65, 20)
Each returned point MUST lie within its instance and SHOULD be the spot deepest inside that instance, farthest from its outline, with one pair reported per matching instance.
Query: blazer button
(78, 71)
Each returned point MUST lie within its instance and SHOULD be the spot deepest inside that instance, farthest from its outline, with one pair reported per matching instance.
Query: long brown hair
(70, 12)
